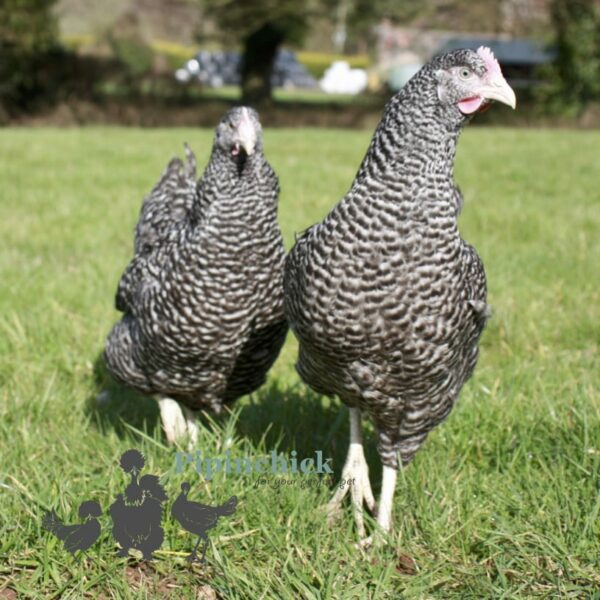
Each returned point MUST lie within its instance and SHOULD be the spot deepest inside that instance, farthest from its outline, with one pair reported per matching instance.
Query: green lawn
(284, 96)
(501, 502)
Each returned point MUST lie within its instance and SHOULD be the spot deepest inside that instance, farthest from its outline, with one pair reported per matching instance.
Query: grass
(501, 502)
(194, 92)
(293, 96)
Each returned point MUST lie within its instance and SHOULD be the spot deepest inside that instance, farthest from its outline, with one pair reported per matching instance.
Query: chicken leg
(178, 423)
(384, 509)
(193, 556)
(356, 476)
(388, 487)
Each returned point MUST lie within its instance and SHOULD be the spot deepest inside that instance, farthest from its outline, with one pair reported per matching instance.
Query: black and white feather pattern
(386, 299)
(203, 298)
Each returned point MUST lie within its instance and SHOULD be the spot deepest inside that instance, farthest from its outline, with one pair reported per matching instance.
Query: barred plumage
(386, 299)
(203, 295)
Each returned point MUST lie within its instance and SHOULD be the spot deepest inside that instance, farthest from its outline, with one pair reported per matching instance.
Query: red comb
(491, 64)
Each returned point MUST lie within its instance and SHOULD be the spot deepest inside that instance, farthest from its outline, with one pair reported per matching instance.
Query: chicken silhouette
(76, 537)
(137, 514)
(199, 518)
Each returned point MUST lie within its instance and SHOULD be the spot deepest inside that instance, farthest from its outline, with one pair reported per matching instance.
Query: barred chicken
(202, 299)
(387, 301)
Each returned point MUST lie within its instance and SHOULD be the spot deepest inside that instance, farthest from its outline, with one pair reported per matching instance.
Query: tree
(28, 34)
(263, 26)
(577, 39)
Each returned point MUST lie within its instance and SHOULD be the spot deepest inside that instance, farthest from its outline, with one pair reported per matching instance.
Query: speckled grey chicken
(386, 299)
(203, 296)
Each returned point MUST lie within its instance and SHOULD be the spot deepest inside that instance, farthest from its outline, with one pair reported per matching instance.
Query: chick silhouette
(137, 514)
(76, 537)
(199, 518)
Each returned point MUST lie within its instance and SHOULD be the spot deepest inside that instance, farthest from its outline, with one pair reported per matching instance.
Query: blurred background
(317, 62)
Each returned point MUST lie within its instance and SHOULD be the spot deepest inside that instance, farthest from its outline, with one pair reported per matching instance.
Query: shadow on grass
(295, 418)
(276, 417)
(113, 406)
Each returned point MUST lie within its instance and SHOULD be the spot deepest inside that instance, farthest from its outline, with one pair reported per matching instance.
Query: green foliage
(28, 41)
(262, 26)
(364, 13)
(577, 38)
(242, 19)
(136, 56)
(129, 46)
(502, 501)
(27, 25)
(176, 54)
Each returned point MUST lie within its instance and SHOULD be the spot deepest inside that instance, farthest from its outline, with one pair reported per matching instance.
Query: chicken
(137, 514)
(387, 301)
(199, 518)
(203, 296)
(76, 537)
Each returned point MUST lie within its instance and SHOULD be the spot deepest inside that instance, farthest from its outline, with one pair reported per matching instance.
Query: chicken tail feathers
(190, 163)
(228, 508)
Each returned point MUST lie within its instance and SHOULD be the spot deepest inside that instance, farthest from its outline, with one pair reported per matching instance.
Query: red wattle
(469, 105)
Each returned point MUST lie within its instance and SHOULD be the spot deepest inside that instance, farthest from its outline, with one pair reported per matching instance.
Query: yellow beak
(499, 90)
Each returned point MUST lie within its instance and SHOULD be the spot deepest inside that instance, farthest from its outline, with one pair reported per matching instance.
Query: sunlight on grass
(501, 502)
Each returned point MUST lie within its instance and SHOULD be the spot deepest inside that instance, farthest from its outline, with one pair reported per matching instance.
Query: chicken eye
(465, 73)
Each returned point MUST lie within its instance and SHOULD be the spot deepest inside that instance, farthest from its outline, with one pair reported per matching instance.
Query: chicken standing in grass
(81, 536)
(199, 518)
(386, 299)
(203, 296)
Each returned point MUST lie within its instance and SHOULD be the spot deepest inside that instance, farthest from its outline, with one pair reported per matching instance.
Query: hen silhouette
(76, 537)
(199, 518)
